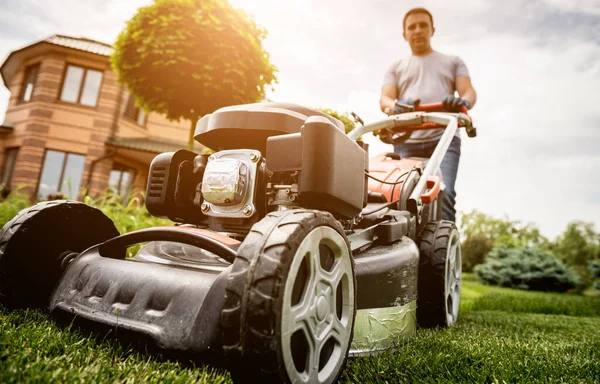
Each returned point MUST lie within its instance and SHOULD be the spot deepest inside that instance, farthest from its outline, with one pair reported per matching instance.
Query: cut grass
(479, 297)
(502, 335)
(492, 346)
(33, 348)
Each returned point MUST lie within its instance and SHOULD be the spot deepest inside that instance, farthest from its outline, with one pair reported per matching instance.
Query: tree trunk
(191, 137)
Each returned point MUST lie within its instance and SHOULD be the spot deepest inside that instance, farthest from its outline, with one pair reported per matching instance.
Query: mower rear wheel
(290, 301)
(35, 244)
(440, 275)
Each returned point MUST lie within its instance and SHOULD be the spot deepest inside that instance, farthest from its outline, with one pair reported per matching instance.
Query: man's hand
(454, 103)
(382, 135)
(399, 109)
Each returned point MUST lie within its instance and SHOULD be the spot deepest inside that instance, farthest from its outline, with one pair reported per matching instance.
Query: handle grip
(436, 107)
(433, 186)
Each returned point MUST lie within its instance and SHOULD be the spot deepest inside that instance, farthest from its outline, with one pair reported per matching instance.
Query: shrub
(595, 268)
(15, 202)
(474, 249)
(526, 268)
(128, 216)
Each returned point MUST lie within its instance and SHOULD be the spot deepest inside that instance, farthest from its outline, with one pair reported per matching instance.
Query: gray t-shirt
(428, 78)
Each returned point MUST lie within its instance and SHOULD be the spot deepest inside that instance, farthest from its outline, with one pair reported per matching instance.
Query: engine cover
(332, 167)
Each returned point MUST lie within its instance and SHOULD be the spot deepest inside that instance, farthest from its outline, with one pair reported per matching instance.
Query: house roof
(81, 44)
(6, 128)
(153, 145)
(15, 59)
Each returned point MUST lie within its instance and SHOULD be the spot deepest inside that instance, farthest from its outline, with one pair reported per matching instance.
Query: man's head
(418, 29)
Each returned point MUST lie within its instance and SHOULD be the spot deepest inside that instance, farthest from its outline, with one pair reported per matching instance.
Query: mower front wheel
(290, 301)
(36, 244)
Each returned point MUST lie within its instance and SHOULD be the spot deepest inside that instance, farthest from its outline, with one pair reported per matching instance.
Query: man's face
(418, 31)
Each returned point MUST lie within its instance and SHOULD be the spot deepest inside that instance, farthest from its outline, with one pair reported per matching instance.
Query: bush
(129, 216)
(9, 208)
(474, 249)
(526, 268)
(595, 268)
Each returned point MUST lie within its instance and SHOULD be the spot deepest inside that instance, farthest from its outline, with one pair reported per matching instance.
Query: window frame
(136, 112)
(62, 171)
(122, 168)
(24, 83)
(8, 151)
(81, 85)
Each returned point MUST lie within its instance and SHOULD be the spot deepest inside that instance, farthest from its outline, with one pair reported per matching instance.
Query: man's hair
(415, 11)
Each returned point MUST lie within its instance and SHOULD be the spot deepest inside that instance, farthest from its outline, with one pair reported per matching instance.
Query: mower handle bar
(412, 120)
(416, 119)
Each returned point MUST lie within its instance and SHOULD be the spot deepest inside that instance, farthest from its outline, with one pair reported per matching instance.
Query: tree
(349, 124)
(578, 246)
(187, 58)
(474, 249)
(502, 231)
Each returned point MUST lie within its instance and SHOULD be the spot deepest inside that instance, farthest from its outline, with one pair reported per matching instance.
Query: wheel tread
(433, 250)
(26, 277)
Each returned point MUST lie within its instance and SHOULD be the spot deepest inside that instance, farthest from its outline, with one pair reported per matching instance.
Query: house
(71, 128)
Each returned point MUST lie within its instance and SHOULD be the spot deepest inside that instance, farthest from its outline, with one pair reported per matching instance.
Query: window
(62, 173)
(133, 112)
(8, 166)
(81, 86)
(29, 82)
(120, 180)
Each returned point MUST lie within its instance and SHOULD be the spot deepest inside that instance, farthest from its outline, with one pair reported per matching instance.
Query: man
(431, 77)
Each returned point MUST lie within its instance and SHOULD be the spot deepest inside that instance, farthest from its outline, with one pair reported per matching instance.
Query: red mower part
(433, 189)
(438, 107)
(386, 168)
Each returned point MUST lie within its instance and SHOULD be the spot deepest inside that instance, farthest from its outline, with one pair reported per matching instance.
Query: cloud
(583, 6)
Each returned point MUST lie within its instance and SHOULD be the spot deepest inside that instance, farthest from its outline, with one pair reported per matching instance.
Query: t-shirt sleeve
(460, 68)
(390, 78)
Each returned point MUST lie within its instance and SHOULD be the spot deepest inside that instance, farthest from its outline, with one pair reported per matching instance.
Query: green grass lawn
(502, 336)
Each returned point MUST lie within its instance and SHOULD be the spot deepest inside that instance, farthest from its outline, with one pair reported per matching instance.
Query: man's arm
(389, 94)
(465, 89)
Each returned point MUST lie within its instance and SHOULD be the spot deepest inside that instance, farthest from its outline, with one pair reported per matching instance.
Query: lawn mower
(290, 250)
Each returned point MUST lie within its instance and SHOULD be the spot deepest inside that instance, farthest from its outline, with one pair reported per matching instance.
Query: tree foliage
(349, 123)
(511, 233)
(526, 268)
(187, 58)
(579, 246)
(474, 250)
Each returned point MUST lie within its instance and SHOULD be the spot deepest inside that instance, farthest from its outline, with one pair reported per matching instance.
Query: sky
(535, 65)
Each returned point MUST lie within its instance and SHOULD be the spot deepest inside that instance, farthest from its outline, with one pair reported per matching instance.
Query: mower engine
(314, 166)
